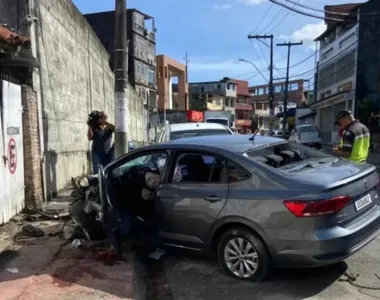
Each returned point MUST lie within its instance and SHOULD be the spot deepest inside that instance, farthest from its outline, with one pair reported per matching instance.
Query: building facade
(171, 96)
(336, 71)
(243, 109)
(141, 49)
(225, 89)
(259, 100)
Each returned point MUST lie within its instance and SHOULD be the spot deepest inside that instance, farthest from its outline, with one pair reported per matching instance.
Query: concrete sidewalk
(52, 269)
(48, 267)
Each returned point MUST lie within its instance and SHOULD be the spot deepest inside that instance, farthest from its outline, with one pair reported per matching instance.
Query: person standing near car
(101, 137)
(355, 138)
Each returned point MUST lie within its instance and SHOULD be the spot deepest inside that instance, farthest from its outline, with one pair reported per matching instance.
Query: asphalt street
(191, 277)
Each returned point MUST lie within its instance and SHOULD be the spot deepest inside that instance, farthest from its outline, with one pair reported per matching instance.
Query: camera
(93, 118)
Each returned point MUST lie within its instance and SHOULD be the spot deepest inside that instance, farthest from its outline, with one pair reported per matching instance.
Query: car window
(201, 132)
(236, 172)
(199, 168)
(286, 156)
(153, 161)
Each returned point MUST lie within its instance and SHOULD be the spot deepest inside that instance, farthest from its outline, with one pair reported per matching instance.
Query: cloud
(221, 6)
(307, 34)
(251, 2)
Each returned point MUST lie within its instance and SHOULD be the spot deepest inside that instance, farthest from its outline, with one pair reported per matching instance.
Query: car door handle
(212, 198)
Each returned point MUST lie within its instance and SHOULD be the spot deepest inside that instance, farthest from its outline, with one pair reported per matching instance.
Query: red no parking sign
(12, 156)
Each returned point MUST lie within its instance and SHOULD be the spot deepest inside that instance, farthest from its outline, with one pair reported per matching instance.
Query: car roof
(195, 126)
(235, 143)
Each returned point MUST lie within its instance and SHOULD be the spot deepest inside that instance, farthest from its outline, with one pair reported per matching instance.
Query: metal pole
(286, 94)
(271, 89)
(121, 79)
(270, 83)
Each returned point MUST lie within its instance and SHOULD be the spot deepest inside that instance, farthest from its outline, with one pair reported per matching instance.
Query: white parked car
(306, 134)
(185, 130)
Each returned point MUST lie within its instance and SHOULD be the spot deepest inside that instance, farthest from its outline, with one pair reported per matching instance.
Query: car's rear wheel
(243, 255)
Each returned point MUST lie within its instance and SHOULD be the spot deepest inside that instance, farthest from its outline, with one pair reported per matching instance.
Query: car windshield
(218, 121)
(290, 157)
(201, 132)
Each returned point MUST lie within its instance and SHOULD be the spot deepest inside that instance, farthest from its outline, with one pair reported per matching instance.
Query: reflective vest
(360, 141)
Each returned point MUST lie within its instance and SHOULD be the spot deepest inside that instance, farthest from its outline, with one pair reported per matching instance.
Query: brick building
(243, 107)
(260, 102)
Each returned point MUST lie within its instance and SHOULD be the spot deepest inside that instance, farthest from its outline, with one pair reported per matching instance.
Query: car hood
(329, 173)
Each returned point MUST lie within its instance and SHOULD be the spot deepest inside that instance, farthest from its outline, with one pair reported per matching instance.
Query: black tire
(264, 266)
(92, 228)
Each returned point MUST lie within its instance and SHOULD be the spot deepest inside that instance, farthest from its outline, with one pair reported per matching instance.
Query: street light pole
(121, 79)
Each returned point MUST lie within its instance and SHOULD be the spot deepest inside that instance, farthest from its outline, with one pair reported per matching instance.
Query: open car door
(113, 224)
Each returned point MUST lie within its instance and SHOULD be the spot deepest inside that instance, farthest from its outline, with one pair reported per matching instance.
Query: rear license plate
(363, 202)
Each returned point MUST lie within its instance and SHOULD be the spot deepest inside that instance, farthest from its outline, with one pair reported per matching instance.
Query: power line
(318, 17)
(326, 62)
(283, 18)
(262, 19)
(289, 45)
(302, 61)
(270, 23)
(352, 13)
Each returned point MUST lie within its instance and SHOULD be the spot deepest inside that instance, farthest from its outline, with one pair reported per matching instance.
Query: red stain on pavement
(107, 257)
(69, 275)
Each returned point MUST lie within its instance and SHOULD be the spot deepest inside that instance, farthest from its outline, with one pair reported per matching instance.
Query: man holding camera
(100, 133)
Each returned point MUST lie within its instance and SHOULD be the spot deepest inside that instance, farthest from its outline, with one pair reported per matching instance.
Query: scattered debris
(76, 243)
(157, 254)
(13, 270)
(69, 229)
(30, 230)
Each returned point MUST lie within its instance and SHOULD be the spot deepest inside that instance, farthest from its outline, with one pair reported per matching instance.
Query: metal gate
(12, 185)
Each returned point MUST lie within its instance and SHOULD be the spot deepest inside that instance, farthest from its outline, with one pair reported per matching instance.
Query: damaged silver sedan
(255, 203)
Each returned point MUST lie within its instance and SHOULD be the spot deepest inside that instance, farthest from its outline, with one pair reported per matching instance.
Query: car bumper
(341, 242)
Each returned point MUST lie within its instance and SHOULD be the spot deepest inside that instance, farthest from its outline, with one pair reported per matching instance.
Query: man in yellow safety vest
(355, 139)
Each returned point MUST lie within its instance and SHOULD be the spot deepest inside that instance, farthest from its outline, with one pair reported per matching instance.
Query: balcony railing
(145, 32)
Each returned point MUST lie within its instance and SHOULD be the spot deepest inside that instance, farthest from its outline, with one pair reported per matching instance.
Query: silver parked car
(255, 204)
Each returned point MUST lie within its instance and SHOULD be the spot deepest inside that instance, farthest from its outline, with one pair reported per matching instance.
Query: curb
(5, 246)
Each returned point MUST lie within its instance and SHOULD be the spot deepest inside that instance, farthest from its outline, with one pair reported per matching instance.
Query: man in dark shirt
(101, 138)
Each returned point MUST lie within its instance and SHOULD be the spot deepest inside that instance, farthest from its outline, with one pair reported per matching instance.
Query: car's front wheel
(243, 255)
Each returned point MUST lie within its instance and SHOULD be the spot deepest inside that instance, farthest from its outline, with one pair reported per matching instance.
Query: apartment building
(336, 69)
(243, 109)
(224, 88)
(141, 49)
(259, 100)
(171, 96)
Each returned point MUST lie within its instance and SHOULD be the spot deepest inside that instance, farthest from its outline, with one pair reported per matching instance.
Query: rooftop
(11, 38)
(339, 8)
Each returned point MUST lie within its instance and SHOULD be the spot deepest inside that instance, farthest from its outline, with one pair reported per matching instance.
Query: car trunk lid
(343, 178)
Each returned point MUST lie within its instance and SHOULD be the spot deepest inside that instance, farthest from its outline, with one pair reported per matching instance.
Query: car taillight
(301, 208)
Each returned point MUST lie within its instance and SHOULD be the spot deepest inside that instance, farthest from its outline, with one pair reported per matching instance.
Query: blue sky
(214, 34)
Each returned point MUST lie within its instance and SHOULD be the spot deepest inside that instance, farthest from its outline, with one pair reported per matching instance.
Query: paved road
(191, 278)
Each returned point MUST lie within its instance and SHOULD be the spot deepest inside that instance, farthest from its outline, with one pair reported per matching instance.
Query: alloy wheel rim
(241, 257)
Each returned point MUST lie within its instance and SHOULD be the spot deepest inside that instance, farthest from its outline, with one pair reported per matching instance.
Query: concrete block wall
(75, 79)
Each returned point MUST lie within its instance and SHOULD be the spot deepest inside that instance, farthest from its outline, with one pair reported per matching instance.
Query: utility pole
(285, 113)
(187, 79)
(121, 79)
(270, 84)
